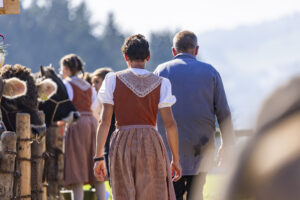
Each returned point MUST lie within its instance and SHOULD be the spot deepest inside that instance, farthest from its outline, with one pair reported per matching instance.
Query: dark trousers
(191, 185)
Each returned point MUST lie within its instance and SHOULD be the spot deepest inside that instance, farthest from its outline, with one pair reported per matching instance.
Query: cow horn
(42, 70)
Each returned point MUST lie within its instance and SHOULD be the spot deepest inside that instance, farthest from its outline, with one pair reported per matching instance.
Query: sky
(138, 16)
(200, 16)
(256, 71)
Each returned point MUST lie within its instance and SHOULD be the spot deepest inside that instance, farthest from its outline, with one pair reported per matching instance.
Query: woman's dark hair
(87, 77)
(136, 47)
(101, 72)
(73, 62)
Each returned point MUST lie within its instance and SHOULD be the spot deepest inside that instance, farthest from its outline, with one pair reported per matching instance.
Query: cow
(28, 103)
(10, 88)
(269, 164)
(59, 107)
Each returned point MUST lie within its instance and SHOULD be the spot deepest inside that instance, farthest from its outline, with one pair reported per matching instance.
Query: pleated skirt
(139, 165)
(80, 147)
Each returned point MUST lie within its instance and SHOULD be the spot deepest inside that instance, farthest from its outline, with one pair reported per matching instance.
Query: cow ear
(14, 88)
(46, 89)
(42, 70)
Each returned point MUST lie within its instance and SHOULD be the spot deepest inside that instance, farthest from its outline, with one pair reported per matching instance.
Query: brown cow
(59, 107)
(269, 166)
(28, 103)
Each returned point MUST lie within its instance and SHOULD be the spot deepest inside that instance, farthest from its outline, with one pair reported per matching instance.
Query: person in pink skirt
(138, 161)
(80, 137)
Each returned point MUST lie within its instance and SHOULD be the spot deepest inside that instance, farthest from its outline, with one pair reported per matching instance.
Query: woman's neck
(137, 64)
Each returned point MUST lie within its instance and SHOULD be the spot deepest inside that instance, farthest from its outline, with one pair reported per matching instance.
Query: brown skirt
(80, 146)
(139, 165)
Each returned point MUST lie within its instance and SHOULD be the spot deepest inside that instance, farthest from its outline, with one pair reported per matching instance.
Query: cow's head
(58, 107)
(11, 88)
(14, 101)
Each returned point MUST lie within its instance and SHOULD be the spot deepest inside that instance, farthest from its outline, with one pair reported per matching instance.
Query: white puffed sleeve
(69, 89)
(96, 104)
(106, 92)
(166, 97)
(94, 94)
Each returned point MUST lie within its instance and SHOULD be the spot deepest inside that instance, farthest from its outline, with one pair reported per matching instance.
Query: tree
(42, 35)
(160, 48)
(112, 40)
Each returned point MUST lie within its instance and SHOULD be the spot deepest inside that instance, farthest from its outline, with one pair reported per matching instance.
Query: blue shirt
(201, 99)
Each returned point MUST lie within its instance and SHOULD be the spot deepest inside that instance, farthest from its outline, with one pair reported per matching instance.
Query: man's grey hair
(184, 41)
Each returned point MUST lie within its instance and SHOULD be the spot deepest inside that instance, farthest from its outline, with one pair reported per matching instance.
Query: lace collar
(141, 85)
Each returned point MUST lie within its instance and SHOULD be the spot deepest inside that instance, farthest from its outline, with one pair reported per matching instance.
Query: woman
(138, 161)
(96, 81)
(98, 76)
(80, 136)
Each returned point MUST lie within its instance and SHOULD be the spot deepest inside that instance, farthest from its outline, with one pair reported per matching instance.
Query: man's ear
(14, 88)
(196, 51)
(174, 51)
(46, 89)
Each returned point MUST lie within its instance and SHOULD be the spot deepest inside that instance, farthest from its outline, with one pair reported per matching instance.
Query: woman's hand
(176, 171)
(99, 170)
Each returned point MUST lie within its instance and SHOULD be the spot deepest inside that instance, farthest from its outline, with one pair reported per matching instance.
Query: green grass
(211, 189)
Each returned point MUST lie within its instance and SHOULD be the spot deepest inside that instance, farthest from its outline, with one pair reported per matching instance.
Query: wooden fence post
(37, 166)
(24, 155)
(7, 164)
(55, 164)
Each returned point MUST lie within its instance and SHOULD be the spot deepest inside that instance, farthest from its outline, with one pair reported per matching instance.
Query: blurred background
(254, 44)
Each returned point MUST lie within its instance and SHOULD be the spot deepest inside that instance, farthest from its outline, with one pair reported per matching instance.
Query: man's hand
(176, 171)
(99, 170)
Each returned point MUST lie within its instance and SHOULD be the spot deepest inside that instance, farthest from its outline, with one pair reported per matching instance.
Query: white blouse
(105, 94)
(71, 93)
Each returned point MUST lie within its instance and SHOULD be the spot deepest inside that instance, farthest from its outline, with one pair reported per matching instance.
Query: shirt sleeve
(69, 89)
(106, 92)
(94, 94)
(166, 97)
(96, 108)
(223, 113)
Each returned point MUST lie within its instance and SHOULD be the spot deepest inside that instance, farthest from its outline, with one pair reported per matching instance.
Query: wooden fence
(22, 161)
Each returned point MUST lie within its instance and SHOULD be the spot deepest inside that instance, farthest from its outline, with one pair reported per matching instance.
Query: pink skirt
(80, 146)
(139, 165)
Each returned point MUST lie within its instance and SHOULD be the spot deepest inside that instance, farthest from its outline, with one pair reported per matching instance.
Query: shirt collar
(139, 71)
(185, 55)
(72, 78)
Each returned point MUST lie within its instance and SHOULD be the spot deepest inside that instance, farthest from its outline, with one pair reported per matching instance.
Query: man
(200, 100)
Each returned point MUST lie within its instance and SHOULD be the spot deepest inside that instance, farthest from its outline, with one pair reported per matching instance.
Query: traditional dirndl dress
(138, 161)
(80, 140)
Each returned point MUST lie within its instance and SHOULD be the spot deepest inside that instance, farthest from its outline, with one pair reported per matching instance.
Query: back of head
(184, 41)
(101, 72)
(73, 62)
(87, 77)
(136, 47)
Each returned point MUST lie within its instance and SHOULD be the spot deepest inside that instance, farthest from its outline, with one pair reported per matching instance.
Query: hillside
(253, 60)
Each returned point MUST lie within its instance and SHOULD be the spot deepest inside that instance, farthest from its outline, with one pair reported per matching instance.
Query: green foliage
(42, 35)
(160, 48)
